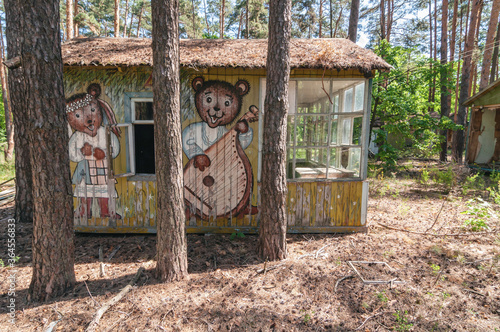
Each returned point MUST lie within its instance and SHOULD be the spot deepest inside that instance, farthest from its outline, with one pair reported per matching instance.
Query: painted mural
(87, 114)
(218, 178)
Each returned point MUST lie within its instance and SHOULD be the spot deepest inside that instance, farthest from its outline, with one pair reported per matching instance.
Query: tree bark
(494, 63)
(382, 20)
(75, 26)
(117, 18)
(353, 21)
(445, 93)
(273, 218)
(125, 20)
(69, 20)
(17, 88)
(458, 139)
(193, 13)
(488, 50)
(331, 19)
(140, 19)
(9, 128)
(247, 19)
(320, 33)
(171, 246)
(453, 30)
(39, 43)
(222, 15)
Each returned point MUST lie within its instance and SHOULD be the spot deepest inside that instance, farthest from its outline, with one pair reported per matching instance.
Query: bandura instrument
(224, 188)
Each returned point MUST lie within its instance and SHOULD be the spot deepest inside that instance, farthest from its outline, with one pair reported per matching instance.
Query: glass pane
(359, 97)
(119, 151)
(310, 163)
(336, 105)
(344, 163)
(290, 131)
(346, 131)
(334, 130)
(144, 149)
(289, 163)
(354, 163)
(357, 130)
(312, 130)
(144, 110)
(311, 98)
(348, 100)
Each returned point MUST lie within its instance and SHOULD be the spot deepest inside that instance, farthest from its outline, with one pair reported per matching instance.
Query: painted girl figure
(87, 147)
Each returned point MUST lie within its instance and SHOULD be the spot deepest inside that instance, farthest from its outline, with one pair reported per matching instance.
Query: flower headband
(74, 105)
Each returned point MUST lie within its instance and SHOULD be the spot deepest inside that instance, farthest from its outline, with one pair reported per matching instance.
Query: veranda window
(325, 129)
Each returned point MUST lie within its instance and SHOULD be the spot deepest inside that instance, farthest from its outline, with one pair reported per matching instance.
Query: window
(325, 128)
(143, 127)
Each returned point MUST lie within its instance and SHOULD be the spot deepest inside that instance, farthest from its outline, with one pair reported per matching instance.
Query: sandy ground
(447, 283)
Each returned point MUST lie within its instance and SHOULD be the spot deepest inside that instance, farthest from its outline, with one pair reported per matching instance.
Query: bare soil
(439, 282)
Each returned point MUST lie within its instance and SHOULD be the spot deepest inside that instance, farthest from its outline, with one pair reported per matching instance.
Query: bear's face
(218, 103)
(86, 119)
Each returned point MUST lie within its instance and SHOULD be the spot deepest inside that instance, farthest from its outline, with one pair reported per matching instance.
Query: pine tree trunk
(453, 30)
(273, 217)
(117, 18)
(193, 13)
(42, 74)
(353, 21)
(222, 15)
(247, 18)
(382, 20)
(140, 20)
(9, 128)
(17, 89)
(171, 246)
(69, 20)
(445, 93)
(458, 139)
(331, 19)
(125, 20)
(75, 26)
(320, 33)
(494, 62)
(490, 39)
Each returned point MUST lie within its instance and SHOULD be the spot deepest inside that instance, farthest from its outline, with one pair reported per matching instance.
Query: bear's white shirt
(199, 136)
(78, 140)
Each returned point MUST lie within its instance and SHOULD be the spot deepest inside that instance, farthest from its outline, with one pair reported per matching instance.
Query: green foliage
(402, 323)
(435, 268)
(7, 171)
(400, 102)
(479, 211)
(473, 182)
(382, 297)
(236, 235)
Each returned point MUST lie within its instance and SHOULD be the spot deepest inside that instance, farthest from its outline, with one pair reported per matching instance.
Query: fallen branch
(95, 321)
(437, 216)
(343, 278)
(113, 252)
(473, 291)
(438, 235)
(265, 269)
(372, 316)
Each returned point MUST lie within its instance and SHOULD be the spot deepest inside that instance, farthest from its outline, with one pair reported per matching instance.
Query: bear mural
(218, 178)
(87, 147)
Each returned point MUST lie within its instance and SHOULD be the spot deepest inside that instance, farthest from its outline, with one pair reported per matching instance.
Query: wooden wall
(323, 206)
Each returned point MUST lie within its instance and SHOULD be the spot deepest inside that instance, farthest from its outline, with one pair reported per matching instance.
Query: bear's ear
(94, 89)
(197, 83)
(242, 87)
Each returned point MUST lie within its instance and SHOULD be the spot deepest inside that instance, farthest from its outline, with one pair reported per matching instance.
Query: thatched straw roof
(243, 53)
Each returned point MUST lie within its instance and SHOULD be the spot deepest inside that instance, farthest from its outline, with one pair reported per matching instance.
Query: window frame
(129, 100)
(331, 116)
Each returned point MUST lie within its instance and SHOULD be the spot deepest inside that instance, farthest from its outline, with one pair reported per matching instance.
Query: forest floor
(449, 274)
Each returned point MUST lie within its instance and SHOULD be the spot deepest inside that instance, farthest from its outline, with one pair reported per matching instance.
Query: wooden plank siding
(313, 205)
